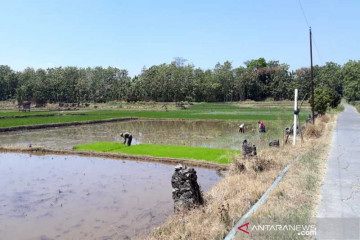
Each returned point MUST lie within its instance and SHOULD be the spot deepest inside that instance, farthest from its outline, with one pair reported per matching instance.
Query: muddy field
(214, 134)
(73, 197)
(68, 197)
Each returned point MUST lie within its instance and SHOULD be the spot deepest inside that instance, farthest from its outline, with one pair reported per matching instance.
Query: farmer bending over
(261, 126)
(127, 138)
(242, 128)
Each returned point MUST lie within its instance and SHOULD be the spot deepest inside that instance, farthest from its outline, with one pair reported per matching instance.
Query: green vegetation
(10, 114)
(222, 156)
(352, 81)
(339, 108)
(39, 113)
(356, 104)
(325, 98)
(222, 111)
(175, 82)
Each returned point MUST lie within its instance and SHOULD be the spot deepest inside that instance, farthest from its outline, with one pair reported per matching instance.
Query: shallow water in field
(214, 134)
(71, 197)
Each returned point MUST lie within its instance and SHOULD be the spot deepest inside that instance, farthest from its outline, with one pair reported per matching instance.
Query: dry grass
(324, 118)
(295, 199)
(315, 131)
(224, 205)
(268, 159)
(270, 104)
(247, 180)
(356, 104)
(112, 105)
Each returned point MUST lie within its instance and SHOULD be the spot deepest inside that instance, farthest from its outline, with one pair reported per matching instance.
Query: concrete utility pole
(312, 81)
(295, 117)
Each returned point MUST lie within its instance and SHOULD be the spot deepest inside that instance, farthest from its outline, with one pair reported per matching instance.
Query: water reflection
(71, 197)
(214, 134)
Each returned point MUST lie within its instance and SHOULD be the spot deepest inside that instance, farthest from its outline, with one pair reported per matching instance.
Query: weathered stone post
(274, 143)
(186, 191)
(248, 149)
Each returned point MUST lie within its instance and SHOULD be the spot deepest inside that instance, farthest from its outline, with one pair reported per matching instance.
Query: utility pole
(312, 81)
(296, 112)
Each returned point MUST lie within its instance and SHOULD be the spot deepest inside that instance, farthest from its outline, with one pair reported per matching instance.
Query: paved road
(340, 204)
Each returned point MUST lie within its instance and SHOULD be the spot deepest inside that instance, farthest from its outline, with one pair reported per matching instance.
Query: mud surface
(71, 197)
(214, 134)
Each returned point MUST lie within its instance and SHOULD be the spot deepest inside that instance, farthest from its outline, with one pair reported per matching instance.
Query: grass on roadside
(356, 104)
(222, 156)
(292, 202)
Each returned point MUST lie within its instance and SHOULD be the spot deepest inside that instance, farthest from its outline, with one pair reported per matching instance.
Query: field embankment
(216, 111)
(117, 155)
(62, 124)
(295, 197)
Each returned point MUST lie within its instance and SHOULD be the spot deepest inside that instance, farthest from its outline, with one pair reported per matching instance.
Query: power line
(317, 51)
(307, 23)
(303, 12)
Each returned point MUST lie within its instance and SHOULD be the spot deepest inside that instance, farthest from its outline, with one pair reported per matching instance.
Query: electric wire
(307, 23)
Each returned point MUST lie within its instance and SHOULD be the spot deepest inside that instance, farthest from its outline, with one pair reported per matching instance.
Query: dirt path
(340, 205)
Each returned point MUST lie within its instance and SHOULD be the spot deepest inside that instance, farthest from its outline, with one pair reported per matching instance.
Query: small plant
(165, 107)
(280, 195)
(224, 214)
(180, 105)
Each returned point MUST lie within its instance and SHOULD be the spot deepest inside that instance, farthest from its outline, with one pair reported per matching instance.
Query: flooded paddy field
(71, 197)
(213, 134)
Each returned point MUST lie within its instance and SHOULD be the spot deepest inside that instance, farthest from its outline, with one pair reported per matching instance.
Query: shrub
(335, 98)
(325, 98)
(255, 164)
(180, 105)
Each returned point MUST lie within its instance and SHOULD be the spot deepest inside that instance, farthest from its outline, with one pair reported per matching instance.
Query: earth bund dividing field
(56, 197)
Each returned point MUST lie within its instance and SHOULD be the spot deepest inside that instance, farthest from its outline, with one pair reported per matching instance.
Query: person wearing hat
(261, 126)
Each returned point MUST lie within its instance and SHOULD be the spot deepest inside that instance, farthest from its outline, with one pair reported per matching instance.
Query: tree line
(177, 81)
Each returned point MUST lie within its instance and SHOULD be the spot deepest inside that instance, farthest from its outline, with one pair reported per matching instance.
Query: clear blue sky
(132, 34)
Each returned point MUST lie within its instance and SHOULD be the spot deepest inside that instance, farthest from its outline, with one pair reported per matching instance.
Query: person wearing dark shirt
(127, 138)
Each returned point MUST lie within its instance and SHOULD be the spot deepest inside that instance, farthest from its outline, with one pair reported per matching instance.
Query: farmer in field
(261, 126)
(127, 138)
(242, 128)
